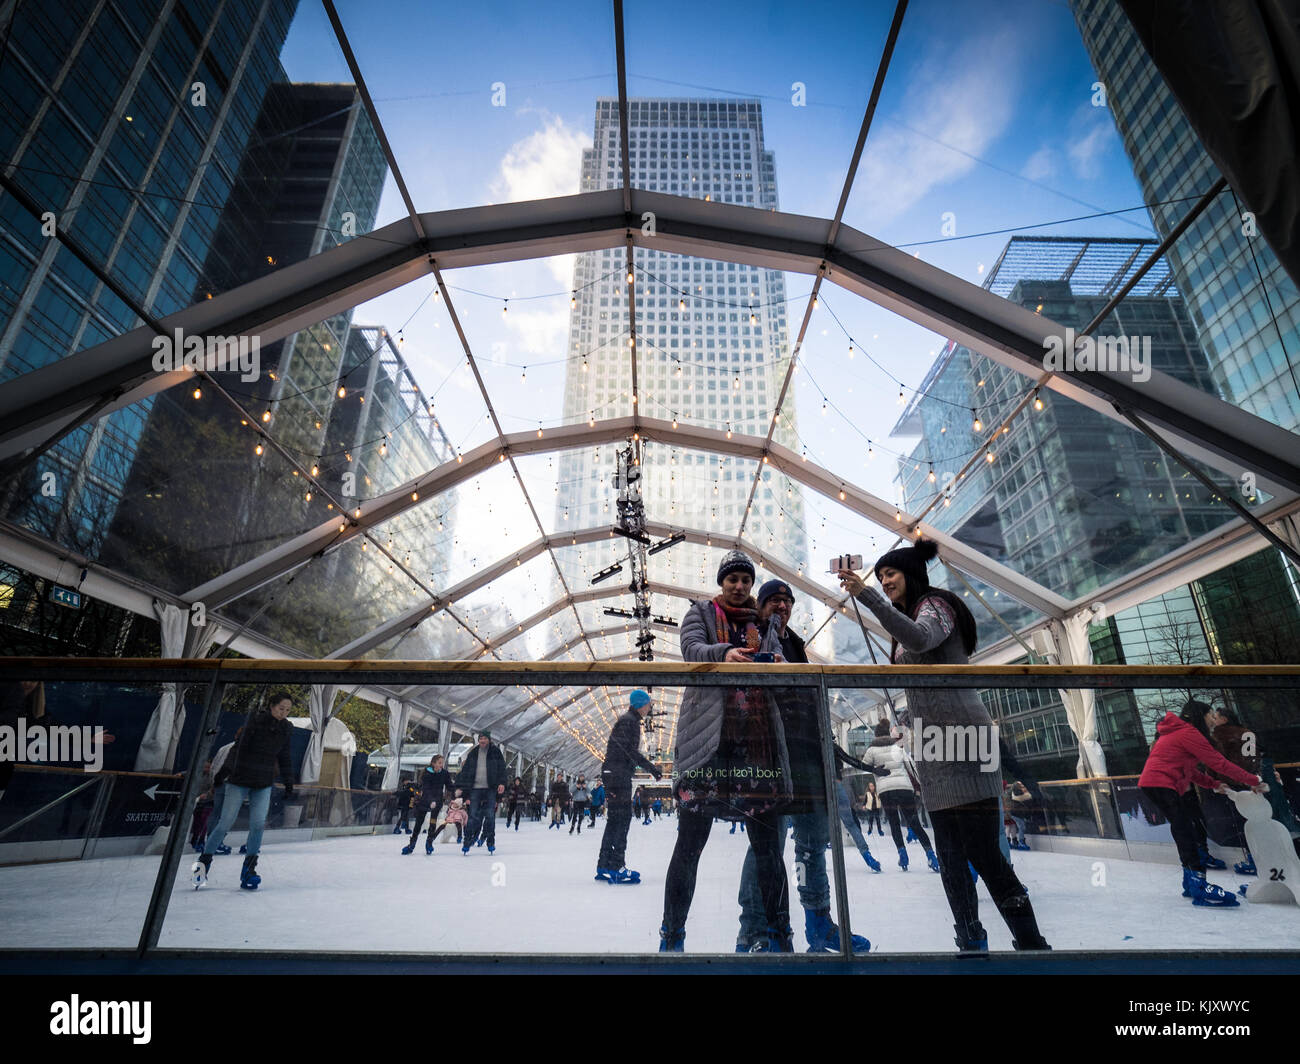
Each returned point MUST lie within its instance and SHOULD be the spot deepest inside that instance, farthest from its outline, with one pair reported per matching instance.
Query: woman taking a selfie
(931, 626)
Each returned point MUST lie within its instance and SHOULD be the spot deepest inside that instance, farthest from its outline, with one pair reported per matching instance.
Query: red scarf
(744, 619)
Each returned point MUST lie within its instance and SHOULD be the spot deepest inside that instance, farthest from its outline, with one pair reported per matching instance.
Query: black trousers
(873, 817)
(513, 811)
(613, 844)
(692, 835)
(421, 811)
(579, 814)
(1182, 824)
(972, 833)
(903, 803)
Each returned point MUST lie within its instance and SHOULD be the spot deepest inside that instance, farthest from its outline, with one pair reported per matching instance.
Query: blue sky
(987, 113)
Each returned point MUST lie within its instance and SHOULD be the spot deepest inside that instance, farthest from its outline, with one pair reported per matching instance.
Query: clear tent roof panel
(477, 111)
(964, 116)
(179, 522)
(805, 115)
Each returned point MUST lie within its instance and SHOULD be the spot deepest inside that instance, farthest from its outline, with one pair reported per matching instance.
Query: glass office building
(1244, 305)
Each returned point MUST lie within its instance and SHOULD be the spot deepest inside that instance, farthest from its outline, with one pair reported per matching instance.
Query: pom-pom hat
(911, 562)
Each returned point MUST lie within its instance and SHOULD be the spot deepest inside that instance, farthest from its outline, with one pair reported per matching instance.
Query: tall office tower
(1234, 287)
(101, 124)
(1071, 500)
(310, 178)
(380, 434)
(712, 342)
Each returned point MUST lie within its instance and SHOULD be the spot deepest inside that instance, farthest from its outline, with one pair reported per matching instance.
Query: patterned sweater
(954, 777)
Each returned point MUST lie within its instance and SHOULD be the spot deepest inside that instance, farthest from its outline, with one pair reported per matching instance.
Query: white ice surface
(358, 893)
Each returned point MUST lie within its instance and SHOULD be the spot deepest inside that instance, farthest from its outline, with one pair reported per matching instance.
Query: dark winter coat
(496, 769)
(518, 793)
(560, 793)
(932, 636)
(623, 751)
(433, 787)
(405, 794)
(699, 722)
(799, 718)
(263, 746)
(1174, 756)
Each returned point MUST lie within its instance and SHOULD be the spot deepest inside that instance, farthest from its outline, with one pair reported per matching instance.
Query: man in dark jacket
(559, 800)
(622, 756)
(251, 769)
(483, 775)
(435, 782)
(801, 721)
(405, 796)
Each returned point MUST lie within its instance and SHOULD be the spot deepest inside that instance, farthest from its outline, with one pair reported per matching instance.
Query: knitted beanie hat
(736, 561)
(774, 587)
(911, 562)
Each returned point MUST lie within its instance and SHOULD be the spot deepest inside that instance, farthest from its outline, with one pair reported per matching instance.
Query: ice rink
(537, 894)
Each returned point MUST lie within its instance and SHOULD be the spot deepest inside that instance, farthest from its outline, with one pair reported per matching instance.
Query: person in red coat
(1182, 743)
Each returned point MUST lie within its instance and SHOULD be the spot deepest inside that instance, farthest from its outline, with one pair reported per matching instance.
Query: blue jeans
(849, 820)
(233, 796)
(811, 833)
(482, 813)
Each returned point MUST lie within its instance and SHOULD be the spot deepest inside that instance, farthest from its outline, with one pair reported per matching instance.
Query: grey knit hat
(736, 561)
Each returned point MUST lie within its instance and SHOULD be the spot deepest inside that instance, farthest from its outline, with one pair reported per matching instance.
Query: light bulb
(977, 425)
(629, 276)
(343, 392)
(573, 301)
(1038, 401)
(258, 449)
(266, 414)
(505, 306)
(198, 393)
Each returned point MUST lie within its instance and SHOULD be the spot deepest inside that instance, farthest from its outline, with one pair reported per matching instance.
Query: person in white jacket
(897, 797)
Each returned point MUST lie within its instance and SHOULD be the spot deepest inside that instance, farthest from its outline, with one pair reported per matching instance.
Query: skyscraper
(1244, 305)
(712, 340)
(1072, 499)
(312, 163)
(102, 124)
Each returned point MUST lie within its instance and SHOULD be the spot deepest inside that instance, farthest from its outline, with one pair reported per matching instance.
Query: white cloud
(545, 164)
(1085, 149)
(969, 96)
(541, 332)
(1041, 165)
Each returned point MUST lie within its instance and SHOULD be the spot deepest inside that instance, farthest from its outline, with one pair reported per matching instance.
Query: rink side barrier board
(670, 674)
